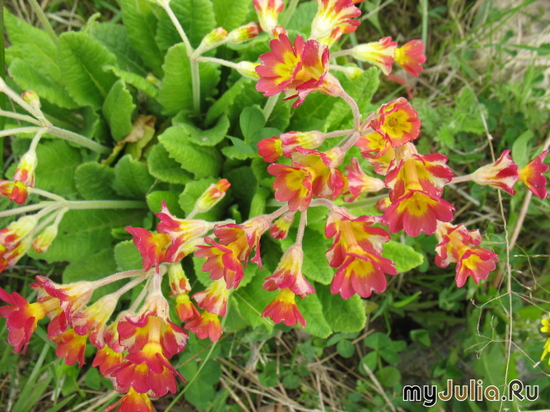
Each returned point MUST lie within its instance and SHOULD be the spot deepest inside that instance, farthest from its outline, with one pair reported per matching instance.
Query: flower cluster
(309, 170)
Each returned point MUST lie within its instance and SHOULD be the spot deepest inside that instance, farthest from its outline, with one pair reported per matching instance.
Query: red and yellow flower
(532, 175)
(380, 53)
(207, 325)
(293, 184)
(280, 227)
(397, 122)
(334, 15)
(214, 298)
(151, 246)
(283, 309)
(221, 261)
(16, 191)
(411, 56)
(133, 401)
(502, 174)
(211, 196)
(268, 12)
(288, 274)
(270, 149)
(359, 182)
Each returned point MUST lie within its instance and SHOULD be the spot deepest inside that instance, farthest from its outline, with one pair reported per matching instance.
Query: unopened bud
(44, 240)
(244, 33)
(211, 196)
(248, 69)
(32, 99)
(25, 170)
(178, 281)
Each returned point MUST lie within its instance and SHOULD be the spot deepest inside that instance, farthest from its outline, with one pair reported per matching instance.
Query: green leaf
(235, 18)
(176, 90)
(378, 341)
(92, 268)
(118, 109)
(28, 77)
(302, 17)
(135, 80)
(127, 256)
(223, 104)
(252, 301)
(115, 38)
(313, 113)
(389, 376)
(132, 178)
(141, 25)
(404, 256)
(210, 137)
(192, 192)
(315, 266)
(200, 160)
(94, 181)
(422, 336)
(240, 150)
(84, 232)
(342, 315)
(390, 356)
(251, 121)
(345, 349)
(520, 148)
(33, 46)
(154, 201)
(164, 168)
(244, 186)
(57, 162)
(195, 25)
(370, 360)
(311, 309)
(81, 60)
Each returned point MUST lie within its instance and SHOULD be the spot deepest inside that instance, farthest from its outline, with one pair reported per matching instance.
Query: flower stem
(270, 105)
(43, 20)
(25, 209)
(106, 204)
(340, 53)
(218, 61)
(460, 179)
(301, 228)
(355, 110)
(288, 13)
(17, 130)
(195, 78)
(19, 116)
(78, 139)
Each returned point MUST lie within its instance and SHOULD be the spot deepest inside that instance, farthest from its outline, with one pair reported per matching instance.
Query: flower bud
(211, 196)
(244, 33)
(44, 240)
(32, 99)
(248, 69)
(380, 53)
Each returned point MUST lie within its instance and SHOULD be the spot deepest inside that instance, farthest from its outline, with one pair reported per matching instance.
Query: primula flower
(293, 184)
(397, 121)
(16, 191)
(22, 317)
(214, 298)
(417, 212)
(362, 274)
(297, 70)
(270, 149)
(152, 247)
(207, 325)
(72, 296)
(359, 182)
(502, 174)
(268, 12)
(16, 231)
(42, 243)
(380, 53)
(92, 320)
(71, 347)
(111, 353)
(532, 176)
(283, 309)
(411, 56)
(305, 140)
(331, 15)
(459, 245)
(288, 274)
(221, 261)
(211, 196)
(280, 227)
(133, 402)
(178, 281)
(185, 309)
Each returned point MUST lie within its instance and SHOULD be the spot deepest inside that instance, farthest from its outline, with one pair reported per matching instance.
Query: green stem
(166, 6)
(18, 116)
(270, 105)
(355, 110)
(424, 8)
(195, 78)
(78, 139)
(288, 13)
(25, 209)
(218, 61)
(340, 53)
(4, 88)
(17, 130)
(44, 20)
(105, 204)
(2, 75)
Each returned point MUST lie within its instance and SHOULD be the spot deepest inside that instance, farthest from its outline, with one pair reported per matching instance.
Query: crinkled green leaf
(132, 179)
(244, 186)
(127, 256)
(404, 256)
(176, 90)
(240, 150)
(196, 18)
(141, 25)
(210, 137)
(94, 181)
(81, 59)
(313, 113)
(29, 77)
(233, 19)
(135, 80)
(118, 109)
(92, 268)
(57, 162)
(247, 96)
(223, 104)
(202, 161)
(115, 38)
(520, 148)
(84, 232)
(164, 168)
(302, 17)
(251, 121)
(342, 315)
(171, 198)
